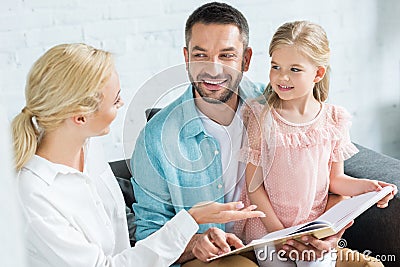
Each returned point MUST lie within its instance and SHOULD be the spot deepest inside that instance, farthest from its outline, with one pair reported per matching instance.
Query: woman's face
(100, 120)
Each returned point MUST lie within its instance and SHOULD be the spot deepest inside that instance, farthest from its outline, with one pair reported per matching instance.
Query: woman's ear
(320, 74)
(79, 119)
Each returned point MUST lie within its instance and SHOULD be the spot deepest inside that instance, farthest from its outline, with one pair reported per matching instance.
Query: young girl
(296, 142)
(72, 202)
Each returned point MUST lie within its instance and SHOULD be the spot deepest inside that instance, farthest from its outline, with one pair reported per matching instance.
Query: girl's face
(292, 74)
(100, 120)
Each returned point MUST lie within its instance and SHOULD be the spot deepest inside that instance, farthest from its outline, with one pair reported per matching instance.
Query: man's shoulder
(249, 89)
(167, 118)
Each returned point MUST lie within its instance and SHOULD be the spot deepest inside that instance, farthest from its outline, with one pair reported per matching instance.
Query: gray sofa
(376, 230)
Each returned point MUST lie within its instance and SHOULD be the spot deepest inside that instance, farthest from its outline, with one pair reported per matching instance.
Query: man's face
(215, 60)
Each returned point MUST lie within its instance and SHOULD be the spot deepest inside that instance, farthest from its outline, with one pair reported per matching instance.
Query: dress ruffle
(344, 152)
(248, 155)
(310, 138)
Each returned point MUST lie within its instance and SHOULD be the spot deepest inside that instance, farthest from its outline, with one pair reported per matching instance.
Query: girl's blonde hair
(311, 40)
(64, 82)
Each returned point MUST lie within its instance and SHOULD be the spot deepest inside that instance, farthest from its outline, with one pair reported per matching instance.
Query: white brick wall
(147, 37)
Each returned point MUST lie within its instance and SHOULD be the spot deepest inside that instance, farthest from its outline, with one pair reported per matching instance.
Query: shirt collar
(48, 170)
(192, 121)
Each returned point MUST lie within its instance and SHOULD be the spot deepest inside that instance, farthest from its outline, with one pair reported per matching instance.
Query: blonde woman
(73, 205)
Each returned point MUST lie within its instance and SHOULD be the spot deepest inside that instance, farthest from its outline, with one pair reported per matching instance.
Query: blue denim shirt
(176, 164)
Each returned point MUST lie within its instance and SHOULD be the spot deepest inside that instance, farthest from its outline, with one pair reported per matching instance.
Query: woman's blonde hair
(311, 40)
(64, 82)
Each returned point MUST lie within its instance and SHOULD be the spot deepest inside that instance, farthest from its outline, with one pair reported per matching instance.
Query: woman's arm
(258, 196)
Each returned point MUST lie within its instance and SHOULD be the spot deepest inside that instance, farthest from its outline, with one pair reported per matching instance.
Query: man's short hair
(217, 13)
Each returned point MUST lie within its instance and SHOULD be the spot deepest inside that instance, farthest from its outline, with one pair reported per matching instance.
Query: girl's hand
(384, 202)
(212, 212)
(375, 185)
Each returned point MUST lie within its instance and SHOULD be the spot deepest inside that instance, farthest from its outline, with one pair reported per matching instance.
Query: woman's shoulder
(33, 179)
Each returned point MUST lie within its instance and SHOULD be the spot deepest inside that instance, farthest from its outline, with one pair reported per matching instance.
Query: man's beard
(228, 91)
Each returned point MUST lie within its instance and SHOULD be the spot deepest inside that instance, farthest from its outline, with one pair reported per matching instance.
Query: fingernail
(290, 243)
(226, 250)
(263, 215)
(239, 205)
(304, 238)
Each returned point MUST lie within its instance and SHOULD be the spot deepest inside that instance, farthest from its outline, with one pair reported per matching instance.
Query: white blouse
(78, 218)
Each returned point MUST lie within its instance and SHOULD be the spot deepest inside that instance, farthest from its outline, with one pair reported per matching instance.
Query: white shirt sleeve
(165, 246)
(57, 244)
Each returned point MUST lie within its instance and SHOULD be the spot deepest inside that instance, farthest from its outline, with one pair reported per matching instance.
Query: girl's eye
(118, 101)
(295, 69)
(275, 67)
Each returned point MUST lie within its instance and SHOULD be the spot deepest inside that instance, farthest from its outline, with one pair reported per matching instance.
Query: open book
(329, 223)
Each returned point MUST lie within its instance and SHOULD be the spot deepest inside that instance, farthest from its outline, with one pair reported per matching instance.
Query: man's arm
(153, 206)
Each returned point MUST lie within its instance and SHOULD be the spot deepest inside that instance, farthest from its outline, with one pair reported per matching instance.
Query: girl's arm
(345, 185)
(260, 198)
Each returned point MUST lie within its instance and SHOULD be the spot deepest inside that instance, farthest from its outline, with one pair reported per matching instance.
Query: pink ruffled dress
(296, 160)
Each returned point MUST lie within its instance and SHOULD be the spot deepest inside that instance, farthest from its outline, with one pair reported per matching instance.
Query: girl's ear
(320, 74)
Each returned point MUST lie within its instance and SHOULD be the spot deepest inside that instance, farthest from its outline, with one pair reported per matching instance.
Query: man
(188, 152)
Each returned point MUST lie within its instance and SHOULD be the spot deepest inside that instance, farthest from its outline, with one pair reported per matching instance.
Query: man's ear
(320, 74)
(79, 119)
(246, 58)
(186, 55)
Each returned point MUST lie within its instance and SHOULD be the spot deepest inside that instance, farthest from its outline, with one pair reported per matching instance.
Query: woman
(74, 208)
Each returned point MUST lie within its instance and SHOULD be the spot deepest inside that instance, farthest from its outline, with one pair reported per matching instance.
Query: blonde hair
(64, 82)
(311, 40)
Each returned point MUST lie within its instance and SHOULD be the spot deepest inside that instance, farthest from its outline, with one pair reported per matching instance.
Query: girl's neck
(299, 111)
(61, 148)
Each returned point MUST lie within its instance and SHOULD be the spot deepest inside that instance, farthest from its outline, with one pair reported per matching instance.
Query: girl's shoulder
(337, 115)
(252, 108)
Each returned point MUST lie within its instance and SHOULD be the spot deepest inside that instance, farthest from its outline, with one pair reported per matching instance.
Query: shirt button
(216, 152)
(219, 186)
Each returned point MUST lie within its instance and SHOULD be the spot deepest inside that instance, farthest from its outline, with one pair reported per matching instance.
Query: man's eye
(199, 55)
(228, 55)
(295, 69)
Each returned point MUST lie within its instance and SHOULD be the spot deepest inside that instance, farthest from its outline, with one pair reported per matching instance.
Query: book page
(346, 210)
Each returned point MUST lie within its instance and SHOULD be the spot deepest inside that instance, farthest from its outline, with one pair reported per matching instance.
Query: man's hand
(319, 246)
(214, 242)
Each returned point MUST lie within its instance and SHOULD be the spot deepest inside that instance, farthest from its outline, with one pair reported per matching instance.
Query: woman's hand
(212, 212)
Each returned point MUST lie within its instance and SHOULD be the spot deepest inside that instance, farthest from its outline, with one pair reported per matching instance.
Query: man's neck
(222, 113)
